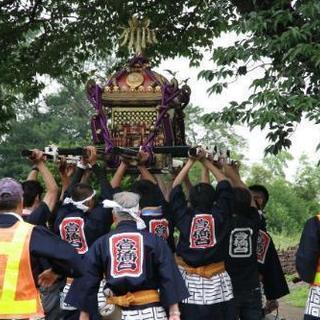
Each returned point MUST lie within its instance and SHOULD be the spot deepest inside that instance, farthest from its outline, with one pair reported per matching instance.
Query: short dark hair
(242, 200)
(31, 189)
(261, 189)
(150, 193)
(8, 203)
(202, 196)
(81, 191)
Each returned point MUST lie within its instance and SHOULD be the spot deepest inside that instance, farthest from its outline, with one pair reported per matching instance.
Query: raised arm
(213, 169)
(86, 162)
(105, 186)
(33, 174)
(51, 195)
(76, 178)
(205, 178)
(183, 173)
(66, 171)
(178, 203)
(144, 172)
(146, 175)
(164, 187)
(86, 176)
(233, 174)
(100, 173)
(118, 176)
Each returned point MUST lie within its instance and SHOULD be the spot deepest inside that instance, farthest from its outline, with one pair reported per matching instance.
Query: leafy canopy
(281, 37)
(57, 38)
(64, 122)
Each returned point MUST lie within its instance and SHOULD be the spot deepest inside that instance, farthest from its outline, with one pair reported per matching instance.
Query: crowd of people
(163, 250)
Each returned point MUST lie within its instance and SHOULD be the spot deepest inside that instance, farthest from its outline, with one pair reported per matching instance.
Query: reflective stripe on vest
(316, 281)
(19, 297)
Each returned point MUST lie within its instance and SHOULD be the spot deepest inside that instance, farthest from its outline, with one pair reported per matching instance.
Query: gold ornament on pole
(138, 35)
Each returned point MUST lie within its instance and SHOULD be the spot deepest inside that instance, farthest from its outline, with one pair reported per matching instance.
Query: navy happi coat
(130, 260)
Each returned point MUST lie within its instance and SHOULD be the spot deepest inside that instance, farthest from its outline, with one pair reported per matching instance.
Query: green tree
(63, 120)
(286, 212)
(218, 134)
(57, 39)
(307, 179)
(282, 39)
(270, 167)
(199, 132)
(278, 164)
(290, 203)
(258, 174)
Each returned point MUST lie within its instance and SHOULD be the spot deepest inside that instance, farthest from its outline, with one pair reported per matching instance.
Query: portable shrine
(139, 108)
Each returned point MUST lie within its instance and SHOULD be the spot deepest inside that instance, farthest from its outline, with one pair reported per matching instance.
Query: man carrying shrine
(37, 209)
(138, 268)
(270, 270)
(242, 264)
(21, 247)
(203, 244)
(80, 221)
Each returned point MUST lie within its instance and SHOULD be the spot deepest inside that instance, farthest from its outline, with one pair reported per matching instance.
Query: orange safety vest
(316, 281)
(19, 297)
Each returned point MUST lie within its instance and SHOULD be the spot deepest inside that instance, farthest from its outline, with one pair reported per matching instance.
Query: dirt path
(289, 312)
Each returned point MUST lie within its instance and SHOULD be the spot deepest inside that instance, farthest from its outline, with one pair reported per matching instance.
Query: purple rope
(164, 106)
(168, 132)
(94, 131)
(95, 97)
(105, 131)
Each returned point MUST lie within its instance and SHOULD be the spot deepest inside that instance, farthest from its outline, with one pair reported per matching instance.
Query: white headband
(80, 204)
(133, 212)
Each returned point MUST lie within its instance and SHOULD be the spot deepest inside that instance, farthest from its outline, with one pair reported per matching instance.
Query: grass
(298, 292)
(290, 277)
(298, 296)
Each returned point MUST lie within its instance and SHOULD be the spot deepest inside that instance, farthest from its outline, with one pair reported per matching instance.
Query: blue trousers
(217, 311)
(248, 304)
(308, 317)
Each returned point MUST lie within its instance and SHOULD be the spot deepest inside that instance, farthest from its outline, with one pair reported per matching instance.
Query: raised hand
(66, 170)
(92, 155)
(143, 157)
(37, 156)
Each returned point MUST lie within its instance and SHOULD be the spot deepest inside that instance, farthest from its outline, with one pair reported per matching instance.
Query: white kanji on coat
(240, 243)
(126, 251)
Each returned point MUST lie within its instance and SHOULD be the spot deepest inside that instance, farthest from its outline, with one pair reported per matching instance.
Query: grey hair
(126, 200)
